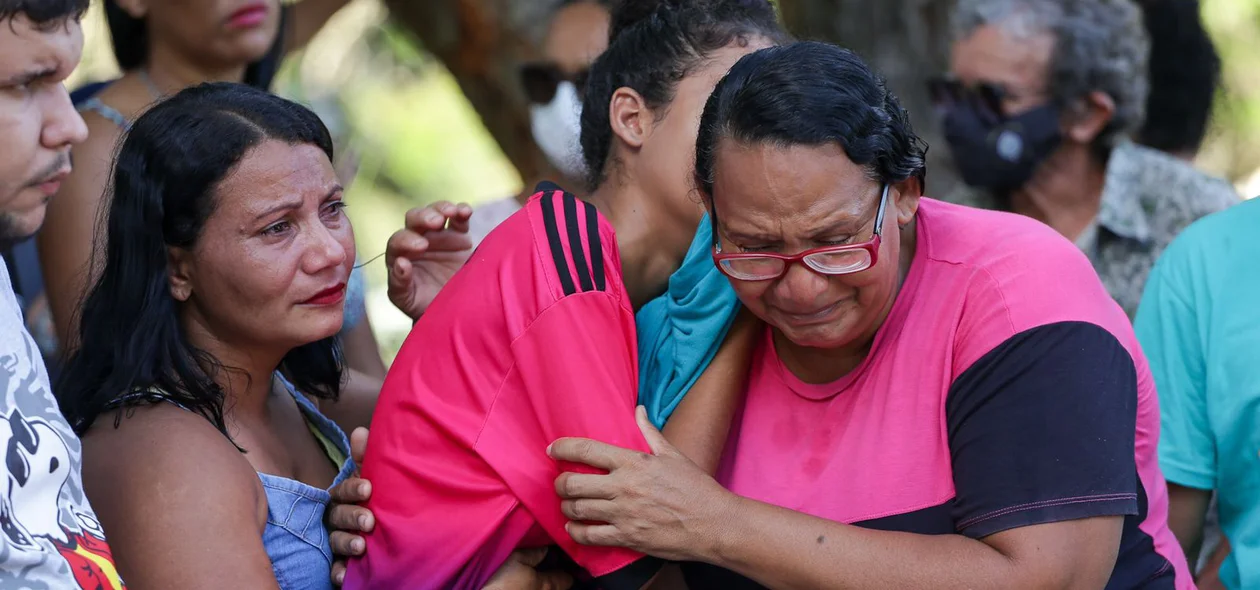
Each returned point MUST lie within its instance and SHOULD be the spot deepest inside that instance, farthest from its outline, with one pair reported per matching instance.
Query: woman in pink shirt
(943, 397)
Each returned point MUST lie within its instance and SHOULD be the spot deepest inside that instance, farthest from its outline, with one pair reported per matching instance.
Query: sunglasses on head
(948, 92)
(540, 80)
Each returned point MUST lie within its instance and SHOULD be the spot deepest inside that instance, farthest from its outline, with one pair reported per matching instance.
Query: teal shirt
(1199, 324)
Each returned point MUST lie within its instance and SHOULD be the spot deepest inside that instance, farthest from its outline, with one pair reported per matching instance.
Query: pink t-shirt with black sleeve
(1005, 389)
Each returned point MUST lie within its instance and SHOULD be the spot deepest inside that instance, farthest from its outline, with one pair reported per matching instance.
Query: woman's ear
(905, 197)
(136, 9)
(1088, 117)
(179, 273)
(629, 116)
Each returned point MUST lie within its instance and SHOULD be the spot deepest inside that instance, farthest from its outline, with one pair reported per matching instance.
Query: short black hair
(1185, 71)
(652, 45)
(43, 12)
(813, 94)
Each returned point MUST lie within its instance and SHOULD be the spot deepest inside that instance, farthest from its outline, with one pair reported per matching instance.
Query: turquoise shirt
(1199, 324)
(680, 331)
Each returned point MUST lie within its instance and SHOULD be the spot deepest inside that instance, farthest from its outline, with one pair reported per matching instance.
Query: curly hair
(653, 44)
(1100, 45)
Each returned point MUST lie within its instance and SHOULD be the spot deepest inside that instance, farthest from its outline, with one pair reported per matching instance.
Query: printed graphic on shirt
(50, 538)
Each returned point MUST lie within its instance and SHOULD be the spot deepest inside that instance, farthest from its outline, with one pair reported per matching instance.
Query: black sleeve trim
(632, 577)
(1042, 428)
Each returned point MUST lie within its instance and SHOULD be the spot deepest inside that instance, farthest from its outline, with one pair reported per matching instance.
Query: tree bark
(484, 42)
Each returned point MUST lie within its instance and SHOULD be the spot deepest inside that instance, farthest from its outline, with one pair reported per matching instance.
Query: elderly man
(1042, 99)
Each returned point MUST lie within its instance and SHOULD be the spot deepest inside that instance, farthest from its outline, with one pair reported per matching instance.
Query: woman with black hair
(212, 320)
(943, 397)
(536, 336)
(162, 47)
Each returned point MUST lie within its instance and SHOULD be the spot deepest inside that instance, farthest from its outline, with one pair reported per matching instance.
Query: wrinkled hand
(660, 504)
(518, 573)
(426, 253)
(345, 517)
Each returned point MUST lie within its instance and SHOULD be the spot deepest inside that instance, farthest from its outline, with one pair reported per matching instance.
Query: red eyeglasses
(828, 260)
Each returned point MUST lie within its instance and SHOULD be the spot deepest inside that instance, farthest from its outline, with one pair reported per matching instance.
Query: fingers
(449, 240)
(354, 490)
(436, 216)
(338, 573)
(351, 519)
(358, 450)
(588, 510)
(405, 245)
(575, 486)
(459, 221)
(601, 535)
(346, 545)
(655, 440)
(589, 452)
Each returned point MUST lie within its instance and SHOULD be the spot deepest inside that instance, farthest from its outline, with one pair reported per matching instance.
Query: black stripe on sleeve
(557, 249)
(1042, 429)
(573, 227)
(597, 248)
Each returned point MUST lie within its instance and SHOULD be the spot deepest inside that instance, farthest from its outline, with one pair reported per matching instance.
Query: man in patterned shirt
(1042, 98)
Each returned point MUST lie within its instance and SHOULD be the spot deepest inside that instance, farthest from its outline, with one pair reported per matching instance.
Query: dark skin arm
(1187, 508)
(664, 505)
(353, 408)
(361, 351)
(149, 493)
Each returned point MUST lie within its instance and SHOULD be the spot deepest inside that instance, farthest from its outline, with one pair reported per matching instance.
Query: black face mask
(1000, 155)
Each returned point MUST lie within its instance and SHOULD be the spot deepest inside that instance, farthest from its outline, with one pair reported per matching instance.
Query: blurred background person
(1197, 324)
(1185, 73)
(1039, 107)
(577, 34)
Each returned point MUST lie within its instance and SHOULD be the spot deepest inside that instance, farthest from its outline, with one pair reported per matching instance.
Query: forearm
(356, 403)
(784, 549)
(700, 425)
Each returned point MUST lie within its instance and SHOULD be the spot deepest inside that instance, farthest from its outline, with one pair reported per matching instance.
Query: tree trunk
(484, 42)
(906, 41)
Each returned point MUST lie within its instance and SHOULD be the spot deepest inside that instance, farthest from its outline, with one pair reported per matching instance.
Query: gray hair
(1100, 45)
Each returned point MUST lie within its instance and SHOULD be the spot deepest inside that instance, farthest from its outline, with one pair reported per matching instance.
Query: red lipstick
(330, 296)
(249, 16)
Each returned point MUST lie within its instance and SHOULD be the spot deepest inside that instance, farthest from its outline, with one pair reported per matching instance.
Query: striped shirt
(533, 340)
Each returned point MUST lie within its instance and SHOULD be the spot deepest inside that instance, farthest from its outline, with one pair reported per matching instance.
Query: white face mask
(556, 127)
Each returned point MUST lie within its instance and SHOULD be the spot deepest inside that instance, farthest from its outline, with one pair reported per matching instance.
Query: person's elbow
(1073, 555)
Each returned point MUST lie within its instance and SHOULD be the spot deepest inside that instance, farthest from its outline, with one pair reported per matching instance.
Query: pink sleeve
(575, 375)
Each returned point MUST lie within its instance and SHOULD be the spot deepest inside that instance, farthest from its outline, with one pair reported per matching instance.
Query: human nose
(327, 248)
(63, 126)
(800, 283)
